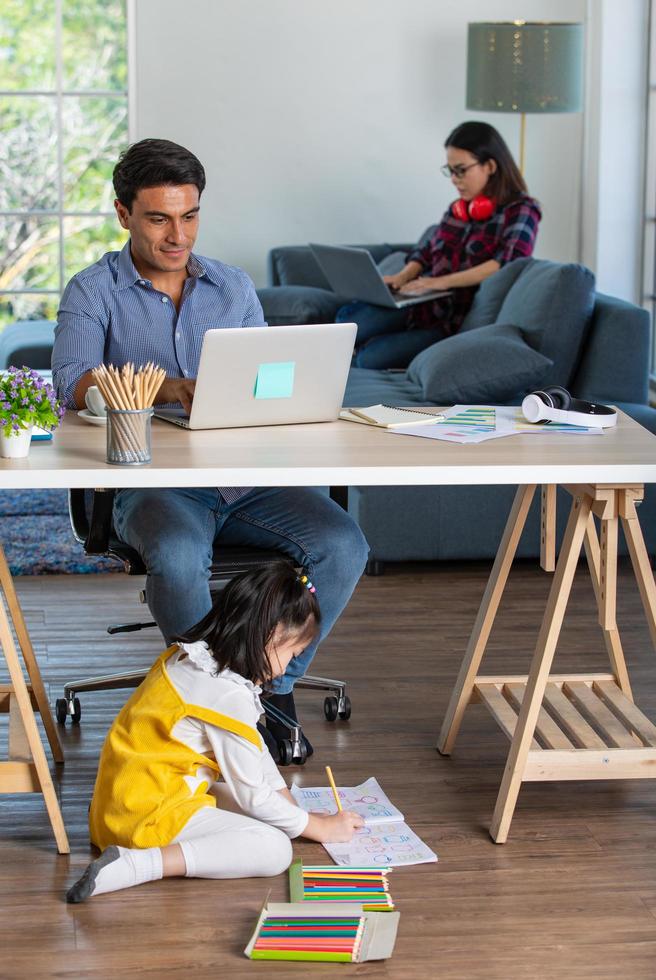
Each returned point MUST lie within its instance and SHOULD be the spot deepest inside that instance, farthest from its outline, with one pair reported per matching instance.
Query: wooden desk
(605, 474)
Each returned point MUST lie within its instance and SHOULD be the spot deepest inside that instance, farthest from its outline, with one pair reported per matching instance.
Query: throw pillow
(489, 297)
(491, 365)
(298, 304)
(552, 302)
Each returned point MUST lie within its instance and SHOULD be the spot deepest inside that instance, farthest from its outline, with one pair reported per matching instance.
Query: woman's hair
(485, 143)
(245, 614)
(152, 163)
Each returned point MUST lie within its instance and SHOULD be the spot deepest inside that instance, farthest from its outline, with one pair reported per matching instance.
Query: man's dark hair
(152, 163)
(244, 616)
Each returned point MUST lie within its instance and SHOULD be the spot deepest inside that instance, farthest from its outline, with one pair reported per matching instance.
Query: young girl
(154, 809)
(492, 221)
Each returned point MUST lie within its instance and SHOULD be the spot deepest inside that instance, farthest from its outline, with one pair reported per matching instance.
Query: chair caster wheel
(61, 710)
(301, 758)
(331, 708)
(345, 710)
(286, 751)
(65, 709)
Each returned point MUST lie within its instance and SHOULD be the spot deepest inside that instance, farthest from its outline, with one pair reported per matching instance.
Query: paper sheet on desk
(466, 424)
(470, 424)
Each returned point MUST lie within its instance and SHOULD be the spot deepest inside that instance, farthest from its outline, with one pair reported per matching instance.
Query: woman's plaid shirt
(509, 234)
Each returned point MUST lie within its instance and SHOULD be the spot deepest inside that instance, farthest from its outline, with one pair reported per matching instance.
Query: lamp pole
(522, 141)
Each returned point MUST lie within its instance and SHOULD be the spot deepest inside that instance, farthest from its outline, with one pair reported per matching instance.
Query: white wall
(325, 121)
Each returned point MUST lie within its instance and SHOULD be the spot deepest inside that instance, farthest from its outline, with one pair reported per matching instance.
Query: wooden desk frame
(26, 770)
(568, 726)
(343, 454)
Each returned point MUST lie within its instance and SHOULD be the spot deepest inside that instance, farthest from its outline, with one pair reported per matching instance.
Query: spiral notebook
(389, 417)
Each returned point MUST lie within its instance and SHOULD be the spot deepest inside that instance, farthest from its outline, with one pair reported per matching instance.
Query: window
(63, 123)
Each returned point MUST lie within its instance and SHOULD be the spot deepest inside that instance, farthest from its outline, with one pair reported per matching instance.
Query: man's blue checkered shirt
(110, 315)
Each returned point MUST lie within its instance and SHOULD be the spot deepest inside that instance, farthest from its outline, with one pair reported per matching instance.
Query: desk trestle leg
(27, 769)
(540, 667)
(569, 726)
(463, 690)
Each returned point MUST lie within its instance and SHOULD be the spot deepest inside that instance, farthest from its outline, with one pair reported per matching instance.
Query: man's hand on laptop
(177, 390)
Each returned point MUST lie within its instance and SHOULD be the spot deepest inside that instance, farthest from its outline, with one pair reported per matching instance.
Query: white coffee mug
(95, 401)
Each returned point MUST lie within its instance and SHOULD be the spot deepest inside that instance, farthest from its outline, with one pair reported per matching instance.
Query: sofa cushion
(489, 298)
(367, 386)
(553, 304)
(492, 364)
(298, 304)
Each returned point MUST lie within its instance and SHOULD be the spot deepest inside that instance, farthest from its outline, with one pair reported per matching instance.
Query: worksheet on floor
(385, 840)
(382, 845)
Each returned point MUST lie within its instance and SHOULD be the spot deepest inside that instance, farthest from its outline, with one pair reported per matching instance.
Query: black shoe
(269, 741)
(285, 703)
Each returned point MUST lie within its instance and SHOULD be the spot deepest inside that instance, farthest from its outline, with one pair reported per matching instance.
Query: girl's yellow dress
(141, 797)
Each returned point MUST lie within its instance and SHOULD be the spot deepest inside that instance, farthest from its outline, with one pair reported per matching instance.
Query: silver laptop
(269, 376)
(352, 272)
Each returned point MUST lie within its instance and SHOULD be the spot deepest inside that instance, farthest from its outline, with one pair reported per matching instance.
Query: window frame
(649, 225)
(59, 94)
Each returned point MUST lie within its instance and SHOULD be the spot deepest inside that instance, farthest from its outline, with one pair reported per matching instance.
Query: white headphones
(555, 404)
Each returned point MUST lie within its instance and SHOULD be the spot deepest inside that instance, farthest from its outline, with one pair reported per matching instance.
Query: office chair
(91, 522)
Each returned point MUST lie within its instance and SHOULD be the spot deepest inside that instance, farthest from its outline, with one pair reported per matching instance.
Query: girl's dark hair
(485, 143)
(151, 163)
(245, 614)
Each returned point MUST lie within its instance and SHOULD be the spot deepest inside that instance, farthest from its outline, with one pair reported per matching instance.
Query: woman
(492, 222)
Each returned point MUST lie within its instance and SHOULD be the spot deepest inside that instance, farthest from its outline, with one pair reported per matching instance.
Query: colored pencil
(329, 773)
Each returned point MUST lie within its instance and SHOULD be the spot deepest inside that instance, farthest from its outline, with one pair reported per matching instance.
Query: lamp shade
(525, 67)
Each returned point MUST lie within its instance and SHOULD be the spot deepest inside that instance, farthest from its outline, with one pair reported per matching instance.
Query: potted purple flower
(26, 400)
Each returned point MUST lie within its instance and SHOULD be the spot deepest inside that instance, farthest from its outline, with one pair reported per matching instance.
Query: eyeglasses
(459, 171)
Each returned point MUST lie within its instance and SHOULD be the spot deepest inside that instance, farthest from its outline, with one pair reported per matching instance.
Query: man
(153, 301)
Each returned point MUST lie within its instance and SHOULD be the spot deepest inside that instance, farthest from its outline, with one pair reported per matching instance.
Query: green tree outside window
(63, 123)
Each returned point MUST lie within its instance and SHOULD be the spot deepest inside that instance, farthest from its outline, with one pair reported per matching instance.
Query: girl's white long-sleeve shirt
(249, 772)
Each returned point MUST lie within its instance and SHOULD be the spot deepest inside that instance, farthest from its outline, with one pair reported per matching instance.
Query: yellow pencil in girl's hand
(329, 773)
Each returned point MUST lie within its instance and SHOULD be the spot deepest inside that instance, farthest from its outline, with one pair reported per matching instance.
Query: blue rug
(36, 535)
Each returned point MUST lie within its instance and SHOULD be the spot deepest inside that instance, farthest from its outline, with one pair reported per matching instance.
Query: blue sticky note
(275, 380)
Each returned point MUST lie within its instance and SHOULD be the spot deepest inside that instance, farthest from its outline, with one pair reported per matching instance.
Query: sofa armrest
(614, 364)
(295, 265)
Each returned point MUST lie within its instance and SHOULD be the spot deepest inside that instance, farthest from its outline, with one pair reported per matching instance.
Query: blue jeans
(383, 340)
(174, 532)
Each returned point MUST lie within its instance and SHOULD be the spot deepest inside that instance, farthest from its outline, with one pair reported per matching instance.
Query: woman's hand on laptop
(177, 390)
(425, 284)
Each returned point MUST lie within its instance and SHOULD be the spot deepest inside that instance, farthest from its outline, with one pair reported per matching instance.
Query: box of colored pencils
(328, 883)
(330, 932)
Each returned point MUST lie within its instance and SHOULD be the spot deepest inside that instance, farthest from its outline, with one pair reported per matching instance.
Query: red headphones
(480, 208)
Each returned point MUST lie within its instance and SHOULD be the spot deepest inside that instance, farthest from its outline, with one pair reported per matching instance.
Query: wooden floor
(572, 894)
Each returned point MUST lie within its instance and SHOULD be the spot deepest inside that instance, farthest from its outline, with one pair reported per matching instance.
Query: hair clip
(304, 580)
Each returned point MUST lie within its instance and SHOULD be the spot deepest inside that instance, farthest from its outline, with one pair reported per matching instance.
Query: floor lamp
(525, 67)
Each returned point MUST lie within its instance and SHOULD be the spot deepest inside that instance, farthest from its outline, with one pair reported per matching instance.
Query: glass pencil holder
(128, 436)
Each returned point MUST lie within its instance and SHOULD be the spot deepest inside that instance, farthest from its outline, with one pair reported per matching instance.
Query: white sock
(116, 868)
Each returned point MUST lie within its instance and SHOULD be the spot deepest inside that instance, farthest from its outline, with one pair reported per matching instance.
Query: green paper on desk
(275, 380)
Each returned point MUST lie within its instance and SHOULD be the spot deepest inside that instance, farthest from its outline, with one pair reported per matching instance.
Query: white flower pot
(16, 445)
